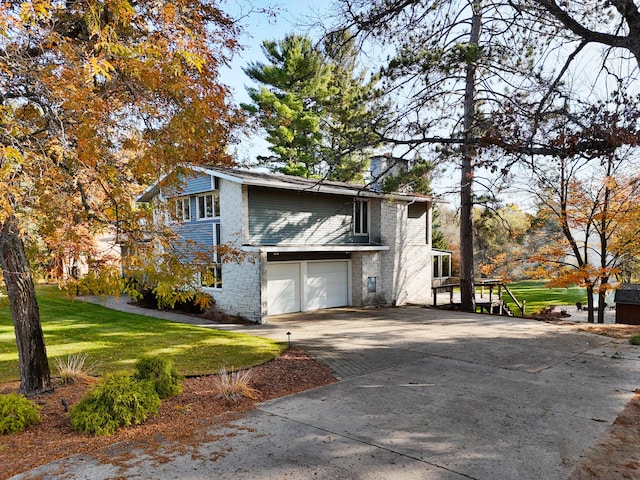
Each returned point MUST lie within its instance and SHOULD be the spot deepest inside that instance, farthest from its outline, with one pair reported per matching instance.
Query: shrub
(117, 401)
(161, 374)
(635, 340)
(235, 385)
(75, 370)
(17, 413)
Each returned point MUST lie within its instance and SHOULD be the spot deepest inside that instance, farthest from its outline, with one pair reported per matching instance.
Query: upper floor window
(361, 217)
(209, 205)
(183, 209)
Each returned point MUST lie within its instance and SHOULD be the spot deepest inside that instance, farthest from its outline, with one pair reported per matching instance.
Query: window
(211, 276)
(371, 284)
(428, 225)
(217, 241)
(208, 206)
(446, 265)
(216, 203)
(183, 209)
(361, 217)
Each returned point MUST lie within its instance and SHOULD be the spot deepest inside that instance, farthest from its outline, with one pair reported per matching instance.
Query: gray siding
(202, 233)
(277, 216)
(190, 185)
(374, 220)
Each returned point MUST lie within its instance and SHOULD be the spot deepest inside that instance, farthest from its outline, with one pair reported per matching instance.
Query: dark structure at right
(627, 300)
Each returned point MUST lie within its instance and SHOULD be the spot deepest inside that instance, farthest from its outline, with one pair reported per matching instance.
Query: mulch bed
(183, 422)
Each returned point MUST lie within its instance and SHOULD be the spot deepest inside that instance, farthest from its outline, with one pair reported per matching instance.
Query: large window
(183, 209)
(446, 265)
(211, 276)
(209, 205)
(361, 217)
(441, 263)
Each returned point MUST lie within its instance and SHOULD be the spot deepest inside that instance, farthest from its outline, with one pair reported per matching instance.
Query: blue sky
(290, 16)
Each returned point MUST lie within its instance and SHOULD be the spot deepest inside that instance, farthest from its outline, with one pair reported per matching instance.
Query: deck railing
(481, 283)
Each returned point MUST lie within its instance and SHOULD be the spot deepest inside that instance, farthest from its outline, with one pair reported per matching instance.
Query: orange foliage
(102, 97)
(600, 225)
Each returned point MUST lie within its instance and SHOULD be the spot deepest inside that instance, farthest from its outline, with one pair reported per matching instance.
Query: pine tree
(318, 110)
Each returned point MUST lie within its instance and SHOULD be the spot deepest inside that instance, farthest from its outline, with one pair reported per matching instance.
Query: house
(315, 244)
(627, 300)
(76, 260)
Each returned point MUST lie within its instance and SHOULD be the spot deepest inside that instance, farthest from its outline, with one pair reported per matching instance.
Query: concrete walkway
(425, 394)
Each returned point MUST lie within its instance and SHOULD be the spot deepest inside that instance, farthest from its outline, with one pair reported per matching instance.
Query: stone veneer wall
(363, 266)
(240, 282)
(406, 268)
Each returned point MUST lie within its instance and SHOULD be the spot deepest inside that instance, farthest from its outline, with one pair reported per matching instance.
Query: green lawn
(539, 296)
(115, 339)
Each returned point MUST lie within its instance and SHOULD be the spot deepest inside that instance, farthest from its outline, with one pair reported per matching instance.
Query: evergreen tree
(288, 104)
(320, 113)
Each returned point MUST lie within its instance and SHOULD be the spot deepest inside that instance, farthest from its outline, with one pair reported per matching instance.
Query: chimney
(383, 166)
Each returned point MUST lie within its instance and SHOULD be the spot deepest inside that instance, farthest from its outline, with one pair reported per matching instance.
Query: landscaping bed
(183, 422)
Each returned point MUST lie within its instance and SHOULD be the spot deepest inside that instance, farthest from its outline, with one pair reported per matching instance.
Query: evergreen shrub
(17, 413)
(160, 372)
(117, 401)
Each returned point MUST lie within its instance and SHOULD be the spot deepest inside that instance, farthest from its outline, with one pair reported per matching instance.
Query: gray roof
(289, 182)
(628, 293)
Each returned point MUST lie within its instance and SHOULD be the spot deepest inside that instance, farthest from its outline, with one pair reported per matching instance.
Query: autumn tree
(500, 235)
(589, 189)
(97, 98)
(317, 107)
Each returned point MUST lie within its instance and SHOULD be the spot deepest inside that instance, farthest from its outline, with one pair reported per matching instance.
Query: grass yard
(114, 340)
(539, 296)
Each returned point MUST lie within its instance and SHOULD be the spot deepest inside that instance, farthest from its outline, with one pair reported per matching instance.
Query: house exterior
(313, 244)
(627, 300)
(104, 249)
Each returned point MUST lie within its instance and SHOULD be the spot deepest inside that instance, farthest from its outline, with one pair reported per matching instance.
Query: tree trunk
(467, 287)
(590, 308)
(601, 302)
(32, 354)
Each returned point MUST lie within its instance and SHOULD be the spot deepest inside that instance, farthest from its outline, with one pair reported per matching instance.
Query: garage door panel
(327, 285)
(283, 288)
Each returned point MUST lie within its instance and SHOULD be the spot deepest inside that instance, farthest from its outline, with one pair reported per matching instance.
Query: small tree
(500, 237)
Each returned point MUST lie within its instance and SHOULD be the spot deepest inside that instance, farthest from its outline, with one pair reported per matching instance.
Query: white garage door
(327, 285)
(283, 288)
(296, 286)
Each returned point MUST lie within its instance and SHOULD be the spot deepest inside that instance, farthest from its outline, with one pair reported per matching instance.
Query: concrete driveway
(424, 394)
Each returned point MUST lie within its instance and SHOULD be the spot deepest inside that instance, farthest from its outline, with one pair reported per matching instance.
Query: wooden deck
(489, 294)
